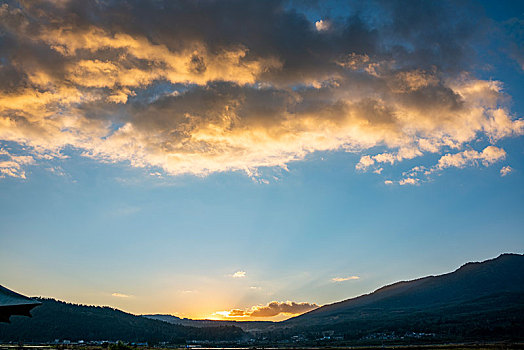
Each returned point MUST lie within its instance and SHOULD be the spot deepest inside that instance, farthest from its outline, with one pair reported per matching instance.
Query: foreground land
(465, 346)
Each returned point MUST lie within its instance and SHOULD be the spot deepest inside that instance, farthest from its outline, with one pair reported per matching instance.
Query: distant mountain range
(479, 301)
(248, 326)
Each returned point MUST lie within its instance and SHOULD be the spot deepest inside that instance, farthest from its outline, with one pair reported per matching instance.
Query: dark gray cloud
(203, 86)
(421, 35)
(514, 29)
(272, 309)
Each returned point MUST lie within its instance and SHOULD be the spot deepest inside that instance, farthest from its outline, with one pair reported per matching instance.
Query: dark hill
(59, 320)
(247, 326)
(486, 297)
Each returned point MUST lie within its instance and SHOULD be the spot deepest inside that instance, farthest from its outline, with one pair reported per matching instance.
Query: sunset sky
(253, 160)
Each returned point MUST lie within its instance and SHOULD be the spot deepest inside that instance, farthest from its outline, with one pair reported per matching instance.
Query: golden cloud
(187, 106)
(193, 65)
(272, 309)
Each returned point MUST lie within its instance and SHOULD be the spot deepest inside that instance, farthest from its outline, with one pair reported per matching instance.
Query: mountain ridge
(248, 326)
(471, 280)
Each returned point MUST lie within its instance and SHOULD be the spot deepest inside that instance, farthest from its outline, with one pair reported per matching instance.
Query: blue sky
(113, 207)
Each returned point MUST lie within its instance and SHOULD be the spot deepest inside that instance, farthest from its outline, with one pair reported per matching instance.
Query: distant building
(327, 334)
(12, 303)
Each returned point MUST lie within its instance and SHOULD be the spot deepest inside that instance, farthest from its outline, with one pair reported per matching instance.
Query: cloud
(58, 171)
(343, 279)
(236, 313)
(188, 291)
(239, 274)
(322, 25)
(121, 295)
(273, 308)
(506, 170)
(12, 165)
(409, 181)
(176, 87)
(126, 211)
(488, 156)
(514, 35)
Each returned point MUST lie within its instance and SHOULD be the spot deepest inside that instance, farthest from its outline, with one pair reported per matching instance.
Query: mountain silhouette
(478, 296)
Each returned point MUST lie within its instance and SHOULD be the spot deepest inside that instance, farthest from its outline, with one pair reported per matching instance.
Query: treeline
(59, 320)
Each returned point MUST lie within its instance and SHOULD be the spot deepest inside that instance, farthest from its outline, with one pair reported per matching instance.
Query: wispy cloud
(121, 295)
(272, 309)
(343, 279)
(126, 211)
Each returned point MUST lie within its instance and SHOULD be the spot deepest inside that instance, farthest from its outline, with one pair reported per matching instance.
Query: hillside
(59, 320)
(485, 298)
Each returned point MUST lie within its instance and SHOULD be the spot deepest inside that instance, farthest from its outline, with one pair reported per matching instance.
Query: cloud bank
(273, 308)
(196, 87)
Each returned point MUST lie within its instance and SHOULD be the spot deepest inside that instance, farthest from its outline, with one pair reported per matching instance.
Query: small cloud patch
(239, 274)
(506, 170)
(343, 279)
(322, 25)
(121, 295)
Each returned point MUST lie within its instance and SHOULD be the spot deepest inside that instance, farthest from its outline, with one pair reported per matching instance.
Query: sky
(253, 160)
